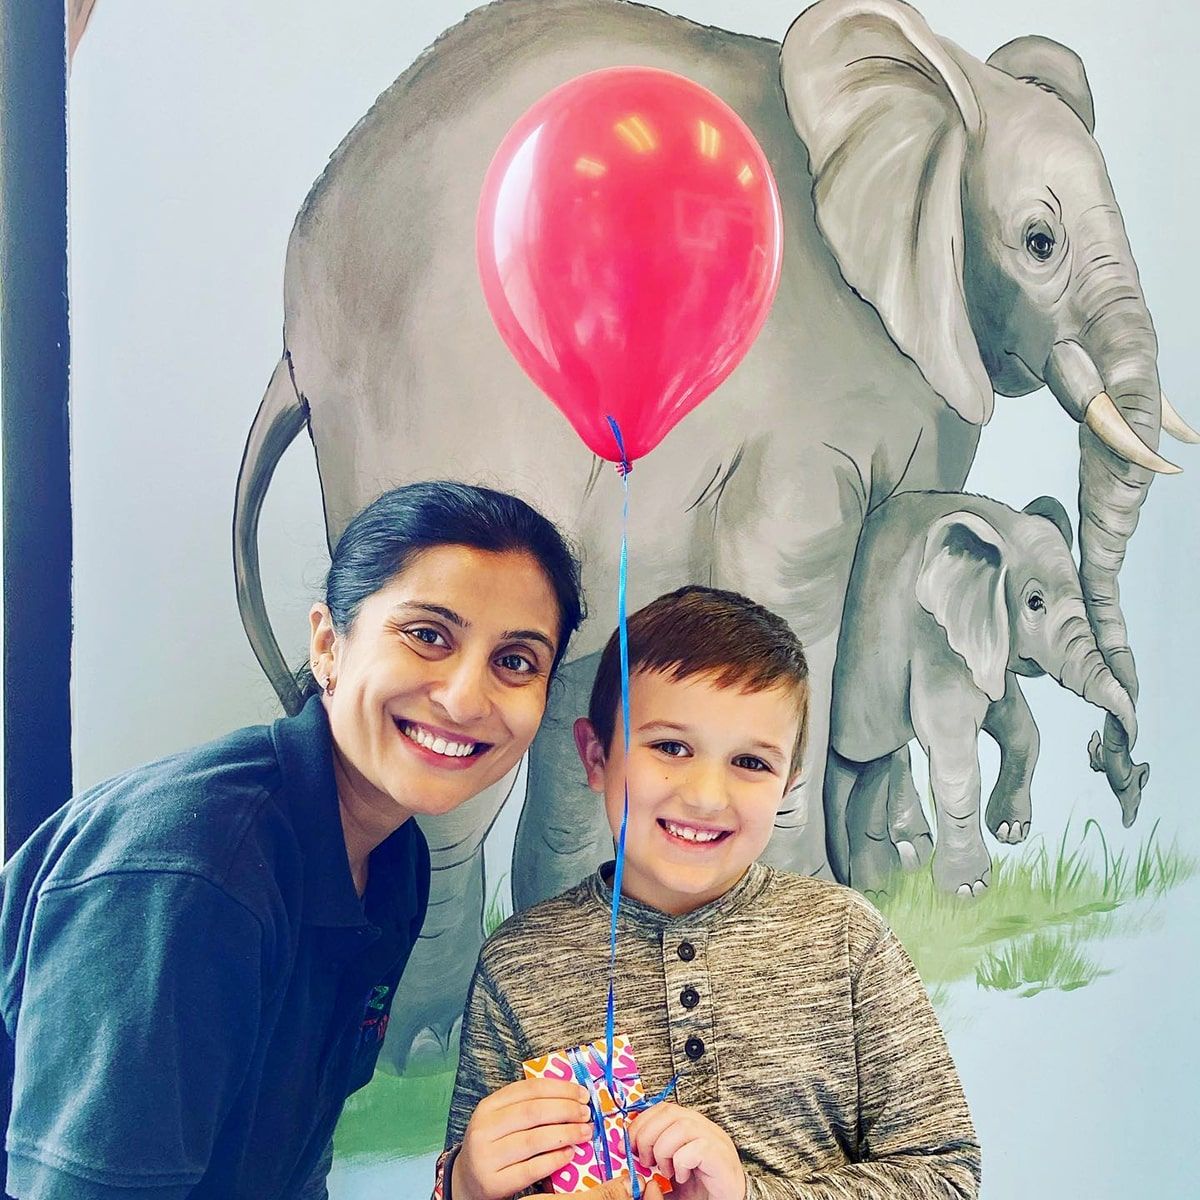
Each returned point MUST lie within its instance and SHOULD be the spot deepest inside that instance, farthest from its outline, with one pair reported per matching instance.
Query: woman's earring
(330, 684)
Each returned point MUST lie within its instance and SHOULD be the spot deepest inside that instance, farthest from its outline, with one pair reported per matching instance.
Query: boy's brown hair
(704, 631)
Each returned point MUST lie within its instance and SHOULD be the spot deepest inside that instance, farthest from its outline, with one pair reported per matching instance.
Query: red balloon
(629, 243)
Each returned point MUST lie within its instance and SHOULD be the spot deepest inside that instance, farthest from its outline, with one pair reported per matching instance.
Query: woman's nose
(463, 692)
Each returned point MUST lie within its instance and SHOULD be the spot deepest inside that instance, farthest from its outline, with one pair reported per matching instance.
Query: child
(810, 1062)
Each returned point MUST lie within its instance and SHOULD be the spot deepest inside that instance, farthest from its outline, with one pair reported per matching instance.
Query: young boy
(810, 1062)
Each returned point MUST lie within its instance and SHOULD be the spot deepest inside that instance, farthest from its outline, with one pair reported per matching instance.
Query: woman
(199, 957)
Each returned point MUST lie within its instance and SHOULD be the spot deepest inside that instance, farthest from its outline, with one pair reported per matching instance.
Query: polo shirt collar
(304, 747)
(645, 919)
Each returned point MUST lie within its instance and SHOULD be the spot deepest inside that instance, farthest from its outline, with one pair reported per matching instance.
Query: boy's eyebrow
(448, 614)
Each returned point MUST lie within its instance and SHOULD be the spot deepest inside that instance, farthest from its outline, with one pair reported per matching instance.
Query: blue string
(619, 869)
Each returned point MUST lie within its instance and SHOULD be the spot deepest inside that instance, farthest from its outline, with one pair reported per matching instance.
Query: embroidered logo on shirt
(375, 1019)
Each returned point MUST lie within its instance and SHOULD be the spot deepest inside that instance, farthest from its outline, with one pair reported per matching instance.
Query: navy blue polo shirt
(191, 986)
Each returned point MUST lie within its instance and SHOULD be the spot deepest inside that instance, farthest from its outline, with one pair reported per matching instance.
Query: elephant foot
(872, 864)
(916, 853)
(1009, 813)
(1127, 785)
(1011, 834)
(966, 874)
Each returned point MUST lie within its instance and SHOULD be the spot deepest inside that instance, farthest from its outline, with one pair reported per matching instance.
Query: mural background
(195, 133)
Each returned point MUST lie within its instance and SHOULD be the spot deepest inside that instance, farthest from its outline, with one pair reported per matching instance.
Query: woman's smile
(441, 747)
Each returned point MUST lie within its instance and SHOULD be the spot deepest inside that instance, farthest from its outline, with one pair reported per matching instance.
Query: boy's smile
(707, 770)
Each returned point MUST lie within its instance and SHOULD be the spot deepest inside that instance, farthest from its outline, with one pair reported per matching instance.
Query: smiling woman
(227, 927)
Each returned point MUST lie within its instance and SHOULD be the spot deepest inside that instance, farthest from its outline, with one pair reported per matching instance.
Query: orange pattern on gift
(586, 1170)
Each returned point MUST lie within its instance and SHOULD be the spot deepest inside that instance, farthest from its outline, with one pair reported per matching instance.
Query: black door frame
(34, 412)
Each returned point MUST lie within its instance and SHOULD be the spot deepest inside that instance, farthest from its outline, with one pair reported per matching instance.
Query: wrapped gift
(609, 1154)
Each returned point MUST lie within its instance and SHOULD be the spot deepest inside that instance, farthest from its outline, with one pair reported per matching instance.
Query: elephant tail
(280, 417)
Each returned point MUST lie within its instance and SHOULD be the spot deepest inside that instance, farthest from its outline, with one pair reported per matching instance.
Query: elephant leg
(563, 834)
(840, 777)
(433, 991)
(800, 840)
(1010, 724)
(907, 826)
(873, 858)
(947, 716)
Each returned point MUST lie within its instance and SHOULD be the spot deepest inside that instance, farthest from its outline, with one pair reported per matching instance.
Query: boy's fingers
(517, 1178)
(646, 1126)
(527, 1144)
(531, 1114)
(525, 1090)
(652, 1191)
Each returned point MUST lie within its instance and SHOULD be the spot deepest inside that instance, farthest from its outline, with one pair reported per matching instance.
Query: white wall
(196, 131)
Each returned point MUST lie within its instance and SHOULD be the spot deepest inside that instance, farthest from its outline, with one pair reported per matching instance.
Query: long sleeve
(120, 981)
(915, 1137)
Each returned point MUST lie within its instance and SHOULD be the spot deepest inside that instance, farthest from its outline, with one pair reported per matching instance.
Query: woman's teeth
(693, 835)
(438, 745)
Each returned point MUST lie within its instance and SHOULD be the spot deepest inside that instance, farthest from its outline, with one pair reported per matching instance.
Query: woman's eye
(1035, 603)
(517, 663)
(672, 749)
(1040, 244)
(751, 763)
(430, 637)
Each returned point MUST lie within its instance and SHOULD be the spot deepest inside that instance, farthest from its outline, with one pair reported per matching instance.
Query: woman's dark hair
(386, 535)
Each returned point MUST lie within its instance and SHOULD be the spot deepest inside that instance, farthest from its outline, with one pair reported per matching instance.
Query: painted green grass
(1064, 894)
(1049, 960)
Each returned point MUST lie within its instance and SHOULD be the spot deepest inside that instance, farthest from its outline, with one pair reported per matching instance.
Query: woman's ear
(591, 753)
(322, 643)
(888, 114)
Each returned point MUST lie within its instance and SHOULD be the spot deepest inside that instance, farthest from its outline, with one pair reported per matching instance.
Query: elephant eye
(1035, 603)
(1040, 243)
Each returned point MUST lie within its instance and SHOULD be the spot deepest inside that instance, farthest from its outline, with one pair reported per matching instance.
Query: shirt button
(694, 1048)
(689, 997)
(686, 951)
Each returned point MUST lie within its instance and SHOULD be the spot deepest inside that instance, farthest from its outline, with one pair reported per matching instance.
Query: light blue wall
(197, 129)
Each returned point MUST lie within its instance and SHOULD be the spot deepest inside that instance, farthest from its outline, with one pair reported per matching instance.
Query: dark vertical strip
(33, 393)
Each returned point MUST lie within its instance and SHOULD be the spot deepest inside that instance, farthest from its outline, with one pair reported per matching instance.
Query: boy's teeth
(438, 745)
(691, 835)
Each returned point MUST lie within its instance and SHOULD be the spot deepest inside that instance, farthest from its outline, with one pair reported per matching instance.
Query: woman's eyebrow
(529, 635)
(438, 610)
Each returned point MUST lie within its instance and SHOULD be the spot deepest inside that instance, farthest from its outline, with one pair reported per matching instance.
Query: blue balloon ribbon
(614, 1090)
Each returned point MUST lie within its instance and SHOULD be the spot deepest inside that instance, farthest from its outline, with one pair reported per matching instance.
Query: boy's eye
(751, 762)
(672, 749)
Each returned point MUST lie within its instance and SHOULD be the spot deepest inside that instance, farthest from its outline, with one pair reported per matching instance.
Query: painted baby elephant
(951, 232)
(952, 598)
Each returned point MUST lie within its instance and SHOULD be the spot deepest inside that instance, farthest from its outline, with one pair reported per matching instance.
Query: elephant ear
(1052, 510)
(887, 114)
(961, 585)
(1051, 66)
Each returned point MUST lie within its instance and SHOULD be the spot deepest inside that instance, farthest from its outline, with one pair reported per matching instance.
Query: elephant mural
(952, 599)
(951, 232)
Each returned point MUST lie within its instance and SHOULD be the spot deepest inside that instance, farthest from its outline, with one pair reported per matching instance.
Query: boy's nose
(703, 790)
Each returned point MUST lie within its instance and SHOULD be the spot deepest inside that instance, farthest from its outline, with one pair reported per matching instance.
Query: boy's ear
(591, 753)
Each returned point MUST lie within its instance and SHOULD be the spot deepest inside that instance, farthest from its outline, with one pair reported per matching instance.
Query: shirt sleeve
(136, 1024)
(916, 1140)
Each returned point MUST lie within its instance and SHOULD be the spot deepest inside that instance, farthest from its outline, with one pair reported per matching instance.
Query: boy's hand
(519, 1134)
(690, 1150)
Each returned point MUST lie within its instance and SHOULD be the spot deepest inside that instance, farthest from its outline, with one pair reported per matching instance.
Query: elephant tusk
(1104, 419)
(1175, 425)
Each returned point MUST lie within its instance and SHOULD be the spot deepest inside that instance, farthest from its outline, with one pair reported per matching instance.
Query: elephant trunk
(1116, 350)
(1085, 673)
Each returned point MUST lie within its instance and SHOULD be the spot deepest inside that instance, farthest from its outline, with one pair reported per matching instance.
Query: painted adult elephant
(951, 232)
